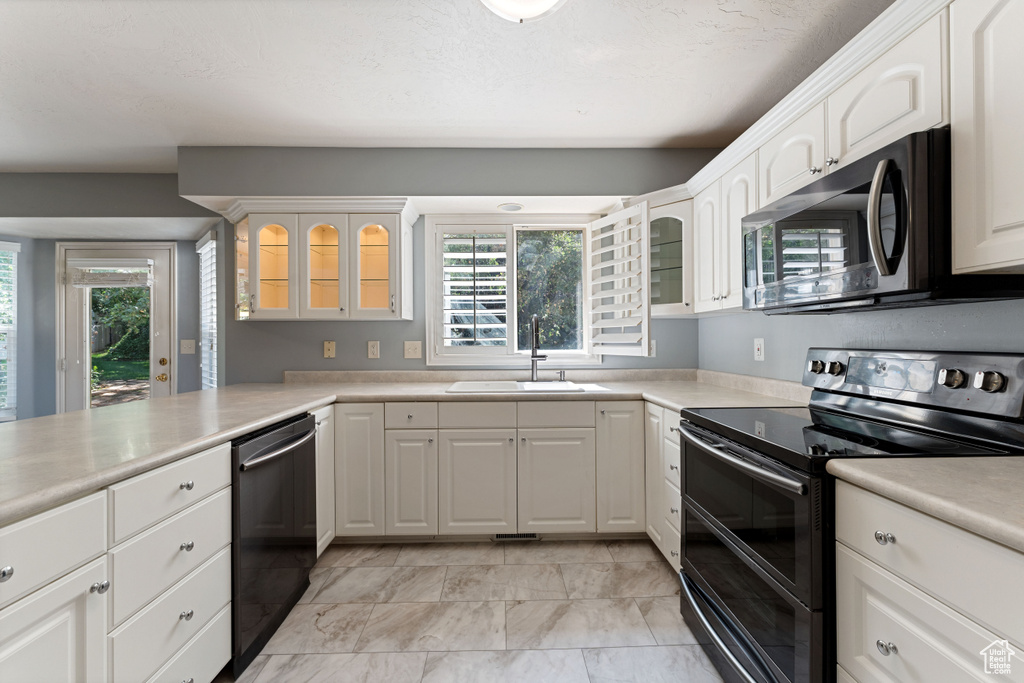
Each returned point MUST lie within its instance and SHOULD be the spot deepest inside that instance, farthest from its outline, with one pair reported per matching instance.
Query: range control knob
(816, 366)
(834, 367)
(989, 380)
(954, 379)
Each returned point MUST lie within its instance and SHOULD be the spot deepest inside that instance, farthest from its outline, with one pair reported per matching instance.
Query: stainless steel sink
(513, 387)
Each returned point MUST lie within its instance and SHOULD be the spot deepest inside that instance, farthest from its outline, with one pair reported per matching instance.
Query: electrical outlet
(654, 348)
(188, 346)
(328, 349)
(759, 348)
(373, 349)
(413, 349)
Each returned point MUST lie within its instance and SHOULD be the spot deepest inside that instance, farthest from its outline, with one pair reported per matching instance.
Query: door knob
(162, 377)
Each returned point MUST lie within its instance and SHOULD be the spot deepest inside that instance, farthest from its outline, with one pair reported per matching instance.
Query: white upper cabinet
(324, 267)
(739, 199)
(793, 158)
(987, 98)
(273, 260)
(901, 92)
(707, 222)
(671, 259)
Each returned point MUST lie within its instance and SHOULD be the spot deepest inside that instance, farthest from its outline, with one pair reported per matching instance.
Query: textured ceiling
(117, 85)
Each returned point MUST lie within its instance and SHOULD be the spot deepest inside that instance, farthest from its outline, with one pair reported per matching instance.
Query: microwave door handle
(875, 219)
(767, 476)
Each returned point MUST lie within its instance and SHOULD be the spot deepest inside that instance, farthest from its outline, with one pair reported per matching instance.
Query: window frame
(11, 411)
(508, 355)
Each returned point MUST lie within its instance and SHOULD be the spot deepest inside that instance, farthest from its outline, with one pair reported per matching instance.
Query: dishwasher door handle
(255, 462)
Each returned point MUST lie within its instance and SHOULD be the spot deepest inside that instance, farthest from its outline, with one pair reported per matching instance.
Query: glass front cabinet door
(671, 263)
(273, 260)
(374, 260)
(323, 269)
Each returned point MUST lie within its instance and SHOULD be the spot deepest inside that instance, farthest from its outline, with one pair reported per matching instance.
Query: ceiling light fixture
(510, 206)
(520, 11)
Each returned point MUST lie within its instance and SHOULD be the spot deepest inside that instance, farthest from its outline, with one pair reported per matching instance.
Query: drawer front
(152, 561)
(556, 414)
(933, 642)
(142, 501)
(48, 545)
(410, 416)
(671, 545)
(963, 570)
(203, 657)
(477, 415)
(673, 503)
(149, 638)
(671, 464)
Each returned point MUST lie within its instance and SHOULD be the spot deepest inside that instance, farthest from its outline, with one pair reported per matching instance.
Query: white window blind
(8, 329)
(207, 248)
(474, 288)
(619, 283)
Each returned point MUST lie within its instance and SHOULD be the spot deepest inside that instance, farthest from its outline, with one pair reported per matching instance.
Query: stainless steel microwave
(873, 234)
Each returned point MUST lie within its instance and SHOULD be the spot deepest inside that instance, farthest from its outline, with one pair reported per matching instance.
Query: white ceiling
(117, 85)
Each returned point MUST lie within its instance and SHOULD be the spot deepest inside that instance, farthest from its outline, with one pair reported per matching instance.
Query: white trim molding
(237, 208)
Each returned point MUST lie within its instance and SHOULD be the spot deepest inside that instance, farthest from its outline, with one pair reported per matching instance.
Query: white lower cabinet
(324, 477)
(410, 475)
(664, 482)
(652, 475)
(57, 633)
(477, 481)
(557, 472)
(359, 469)
(202, 658)
(620, 466)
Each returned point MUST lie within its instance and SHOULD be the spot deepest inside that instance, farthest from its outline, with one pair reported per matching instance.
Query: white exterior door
(359, 469)
(81, 269)
(477, 481)
(620, 466)
(57, 634)
(410, 490)
(557, 480)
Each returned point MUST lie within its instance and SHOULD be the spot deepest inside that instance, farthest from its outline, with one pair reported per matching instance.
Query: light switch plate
(373, 349)
(413, 349)
(758, 348)
(328, 349)
(188, 346)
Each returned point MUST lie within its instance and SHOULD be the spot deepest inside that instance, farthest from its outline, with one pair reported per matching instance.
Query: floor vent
(515, 537)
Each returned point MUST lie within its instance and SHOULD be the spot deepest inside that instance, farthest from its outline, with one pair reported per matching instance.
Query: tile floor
(562, 611)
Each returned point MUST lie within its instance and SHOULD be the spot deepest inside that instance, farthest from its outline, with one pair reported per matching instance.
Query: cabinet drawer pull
(813, 170)
(602, 412)
(409, 416)
(886, 648)
(884, 538)
(673, 553)
(186, 616)
(831, 161)
(673, 467)
(524, 439)
(6, 573)
(430, 441)
(511, 440)
(100, 587)
(187, 485)
(674, 511)
(673, 429)
(187, 546)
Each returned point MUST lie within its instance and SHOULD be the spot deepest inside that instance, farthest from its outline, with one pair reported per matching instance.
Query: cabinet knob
(188, 680)
(673, 553)
(673, 429)
(886, 648)
(884, 538)
(511, 440)
(813, 170)
(186, 616)
(430, 441)
(409, 416)
(341, 308)
(602, 412)
(831, 161)
(392, 303)
(673, 467)
(187, 485)
(674, 511)
(187, 546)
(6, 573)
(100, 587)
(524, 439)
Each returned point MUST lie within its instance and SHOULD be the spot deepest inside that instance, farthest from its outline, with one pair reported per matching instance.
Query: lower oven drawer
(932, 642)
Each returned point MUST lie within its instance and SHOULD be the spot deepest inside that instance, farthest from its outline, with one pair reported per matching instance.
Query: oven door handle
(713, 634)
(290, 446)
(769, 477)
(875, 220)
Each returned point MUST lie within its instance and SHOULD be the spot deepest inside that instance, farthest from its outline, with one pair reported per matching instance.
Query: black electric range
(758, 551)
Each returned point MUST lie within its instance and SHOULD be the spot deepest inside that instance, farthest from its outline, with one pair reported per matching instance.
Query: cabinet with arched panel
(335, 266)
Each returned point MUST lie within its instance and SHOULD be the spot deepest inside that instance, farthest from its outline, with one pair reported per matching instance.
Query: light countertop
(981, 495)
(47, 461)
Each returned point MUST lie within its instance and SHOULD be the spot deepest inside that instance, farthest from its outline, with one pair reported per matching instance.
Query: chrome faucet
(535, 356)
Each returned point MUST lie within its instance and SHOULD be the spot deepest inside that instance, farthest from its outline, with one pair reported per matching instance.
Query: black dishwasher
(273, 530)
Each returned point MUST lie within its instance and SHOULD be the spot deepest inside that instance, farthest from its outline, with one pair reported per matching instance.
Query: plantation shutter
(474, 288)
(8, 329)
(619, 283)
(207, 249)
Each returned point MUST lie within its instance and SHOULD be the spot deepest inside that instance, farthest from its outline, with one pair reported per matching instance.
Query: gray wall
(727, 343)
(305, 171)
(259, 351)
(94, 195)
